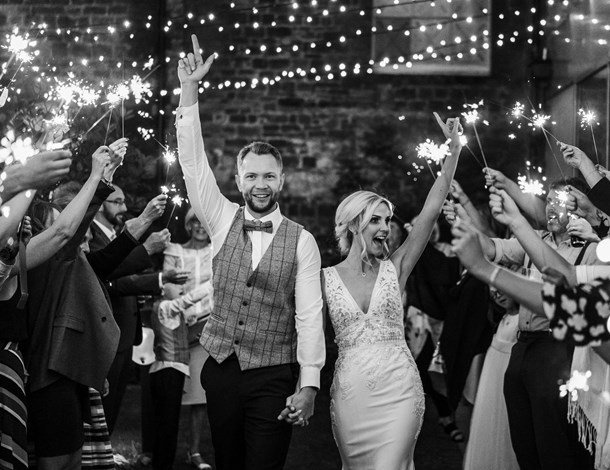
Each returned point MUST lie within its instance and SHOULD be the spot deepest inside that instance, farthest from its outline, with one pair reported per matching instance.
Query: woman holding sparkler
(377, 400)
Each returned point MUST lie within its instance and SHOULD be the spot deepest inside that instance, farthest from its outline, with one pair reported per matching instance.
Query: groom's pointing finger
(196, 48)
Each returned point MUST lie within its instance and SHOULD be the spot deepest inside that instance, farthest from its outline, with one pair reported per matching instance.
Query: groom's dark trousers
(243, 407)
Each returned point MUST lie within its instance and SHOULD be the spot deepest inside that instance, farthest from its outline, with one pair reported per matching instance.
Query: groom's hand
(299, 407)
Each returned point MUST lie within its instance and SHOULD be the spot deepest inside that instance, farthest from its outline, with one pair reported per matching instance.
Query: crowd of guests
(498, 318)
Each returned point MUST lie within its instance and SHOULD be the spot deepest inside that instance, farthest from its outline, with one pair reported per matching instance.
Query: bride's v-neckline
(351, 297)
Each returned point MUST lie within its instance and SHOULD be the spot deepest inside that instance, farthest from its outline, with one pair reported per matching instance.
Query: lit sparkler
(429, 150)
(16, 149)
(587, 119)
(472, 116)
(530, 186)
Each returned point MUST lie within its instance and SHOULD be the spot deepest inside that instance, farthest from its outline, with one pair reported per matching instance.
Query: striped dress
(13, 412)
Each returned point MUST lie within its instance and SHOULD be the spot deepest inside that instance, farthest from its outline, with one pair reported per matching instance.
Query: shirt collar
(109, 232)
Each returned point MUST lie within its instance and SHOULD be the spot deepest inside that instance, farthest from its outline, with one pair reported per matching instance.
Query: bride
(377, 400)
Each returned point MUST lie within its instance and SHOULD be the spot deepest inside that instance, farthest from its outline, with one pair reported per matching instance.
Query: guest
(168, 371)
(489, 445)
(195, 257)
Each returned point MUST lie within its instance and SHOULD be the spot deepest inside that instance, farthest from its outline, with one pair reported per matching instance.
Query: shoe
(453, 431)
(197, 461)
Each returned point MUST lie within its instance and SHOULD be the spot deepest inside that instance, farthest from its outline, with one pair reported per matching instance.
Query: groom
(265, 337)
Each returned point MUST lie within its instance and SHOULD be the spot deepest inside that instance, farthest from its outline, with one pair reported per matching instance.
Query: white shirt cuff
(499, 251)
(310, 377)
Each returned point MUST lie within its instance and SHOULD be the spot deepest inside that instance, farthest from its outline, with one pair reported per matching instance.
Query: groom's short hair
(260, 148)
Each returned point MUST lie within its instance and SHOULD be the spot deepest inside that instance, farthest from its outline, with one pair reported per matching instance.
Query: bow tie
(250, 225)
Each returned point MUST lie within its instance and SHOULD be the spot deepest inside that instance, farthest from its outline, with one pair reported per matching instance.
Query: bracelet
(494, 275)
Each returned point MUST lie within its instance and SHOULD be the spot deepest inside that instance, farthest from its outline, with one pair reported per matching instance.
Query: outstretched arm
(213, 210)
(475, 216)
(532, 207)
(505, 211)
(405, 257)
(65, 226)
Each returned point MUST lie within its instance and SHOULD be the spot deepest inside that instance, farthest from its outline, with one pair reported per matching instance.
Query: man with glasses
(107, 224)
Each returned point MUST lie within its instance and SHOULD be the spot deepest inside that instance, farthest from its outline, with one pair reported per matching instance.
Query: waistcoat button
(103, 318)
(249, 284)
(245, 302)
(240, 322)
(236, 341)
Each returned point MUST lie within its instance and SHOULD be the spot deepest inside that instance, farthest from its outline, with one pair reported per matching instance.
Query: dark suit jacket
(71, 328)
(124, 285)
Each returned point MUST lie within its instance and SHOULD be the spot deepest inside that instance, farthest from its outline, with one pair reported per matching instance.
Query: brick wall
(335, 135)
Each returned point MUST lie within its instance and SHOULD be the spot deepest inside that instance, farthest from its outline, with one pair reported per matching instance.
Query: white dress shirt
(216, 213)
(109, 232)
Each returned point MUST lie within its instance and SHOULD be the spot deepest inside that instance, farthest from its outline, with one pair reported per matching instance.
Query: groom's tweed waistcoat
(254, 311)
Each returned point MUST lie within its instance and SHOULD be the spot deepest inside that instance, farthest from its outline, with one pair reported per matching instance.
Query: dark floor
(311, 448)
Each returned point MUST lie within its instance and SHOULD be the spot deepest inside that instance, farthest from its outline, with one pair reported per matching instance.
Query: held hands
(299, 407)
(452, 130)
(157, 241)
(175, 276)
(192, 68)
(502, 206)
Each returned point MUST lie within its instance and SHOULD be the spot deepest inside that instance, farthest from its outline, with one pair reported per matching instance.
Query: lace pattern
(372, 344)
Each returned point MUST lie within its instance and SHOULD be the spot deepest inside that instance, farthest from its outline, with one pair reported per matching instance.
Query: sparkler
(530, 186)
(177, 201)
(430, 151)
(472, 116)
(587, 119)
(16, 149)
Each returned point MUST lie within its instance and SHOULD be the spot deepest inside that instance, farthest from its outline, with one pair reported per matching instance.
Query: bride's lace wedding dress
(377, 399)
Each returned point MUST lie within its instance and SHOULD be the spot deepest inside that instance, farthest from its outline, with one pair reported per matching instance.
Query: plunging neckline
(351, 297)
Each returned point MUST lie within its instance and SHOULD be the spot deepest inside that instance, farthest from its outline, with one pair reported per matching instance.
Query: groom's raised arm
(213, 209)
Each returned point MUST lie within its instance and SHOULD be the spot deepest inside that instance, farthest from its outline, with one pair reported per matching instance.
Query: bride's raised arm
(405, 257)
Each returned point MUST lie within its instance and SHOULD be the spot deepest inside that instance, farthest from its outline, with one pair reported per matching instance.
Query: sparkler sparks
(471, 116)
(177, 200)
(538, 120)
(140, 89)
(530, 186)
(169, 156)
(562, 196)
(517, 110)
(587, 118)
(16, 149)
(428, 150)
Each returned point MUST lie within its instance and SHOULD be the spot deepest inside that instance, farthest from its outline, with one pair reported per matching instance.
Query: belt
(532, 335)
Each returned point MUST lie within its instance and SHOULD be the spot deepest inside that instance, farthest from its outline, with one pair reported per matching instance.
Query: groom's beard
(260, 207)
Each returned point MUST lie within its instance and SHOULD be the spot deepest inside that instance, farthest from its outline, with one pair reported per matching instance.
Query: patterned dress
(377, 398)
(579, 312)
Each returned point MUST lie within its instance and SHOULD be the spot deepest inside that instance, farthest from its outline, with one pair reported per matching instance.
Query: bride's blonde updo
(353, 215)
